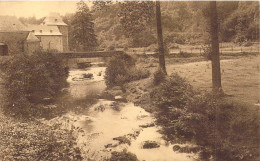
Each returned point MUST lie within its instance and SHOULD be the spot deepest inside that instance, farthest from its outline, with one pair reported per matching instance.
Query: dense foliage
(225, 130)
(121, 69)
(81, 30)
(31, 20)
(32, 79)
(120, 24)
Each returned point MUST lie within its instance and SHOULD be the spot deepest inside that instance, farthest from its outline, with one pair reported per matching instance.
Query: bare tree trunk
(216, 75)
(160, 37)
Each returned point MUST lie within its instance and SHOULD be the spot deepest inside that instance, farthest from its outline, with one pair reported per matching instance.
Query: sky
(38, 9)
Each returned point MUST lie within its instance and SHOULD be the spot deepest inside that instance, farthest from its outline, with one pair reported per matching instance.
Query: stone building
(54, 19)
(52, 33)
(16, 37)
(49, 36)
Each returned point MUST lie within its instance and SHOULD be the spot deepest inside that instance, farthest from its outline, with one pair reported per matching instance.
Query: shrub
(121, 69)
(137, 73)
(32, 79)
(224, 130)
(118, 65)
(228, 130)
(206, 51)
(173, 92)
(158, 77)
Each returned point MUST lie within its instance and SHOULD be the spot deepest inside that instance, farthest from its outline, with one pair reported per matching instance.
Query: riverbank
(95, 125)
(240, 78)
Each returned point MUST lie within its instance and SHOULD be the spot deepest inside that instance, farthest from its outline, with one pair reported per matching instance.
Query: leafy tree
(31, 20)
(242, 24)
(135, 16)
(30, 79)
(82, 29)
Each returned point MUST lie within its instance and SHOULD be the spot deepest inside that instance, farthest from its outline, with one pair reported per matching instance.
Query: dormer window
(40, 31)
(56, 20)
(51, 31)
(13, 24)
(43, 23)
(32, 30)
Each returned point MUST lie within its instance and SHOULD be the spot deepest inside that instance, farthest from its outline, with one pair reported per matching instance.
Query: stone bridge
(92, 54)
(86, 59)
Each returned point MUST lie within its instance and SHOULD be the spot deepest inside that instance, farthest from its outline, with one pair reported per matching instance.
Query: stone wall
(14, 40)
(51, 42)
(32, 47)
(65, 41)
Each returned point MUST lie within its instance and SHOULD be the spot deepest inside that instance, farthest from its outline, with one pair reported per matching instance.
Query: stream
(96, 127)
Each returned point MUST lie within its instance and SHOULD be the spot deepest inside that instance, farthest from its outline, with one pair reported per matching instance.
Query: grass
(240, 77)
(197, 49)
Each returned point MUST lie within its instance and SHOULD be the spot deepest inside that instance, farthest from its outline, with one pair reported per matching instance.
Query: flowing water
(99, 124)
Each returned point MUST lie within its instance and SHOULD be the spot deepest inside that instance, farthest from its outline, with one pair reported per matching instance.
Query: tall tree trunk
(216, 75)
(160, 37)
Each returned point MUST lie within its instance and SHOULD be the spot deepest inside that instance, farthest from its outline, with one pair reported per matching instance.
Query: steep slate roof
(41, 30)
(11, 24)
(54, 19)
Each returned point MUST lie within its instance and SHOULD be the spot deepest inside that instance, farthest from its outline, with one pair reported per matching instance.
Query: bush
(158, 77)
(173, 92)
(137, 73)
(32, 79)
(228, 130)
(118, 65)
(206, 51)
(224, 130)
(121, 69)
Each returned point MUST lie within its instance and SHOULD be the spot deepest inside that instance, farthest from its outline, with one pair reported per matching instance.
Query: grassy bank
(225, 128)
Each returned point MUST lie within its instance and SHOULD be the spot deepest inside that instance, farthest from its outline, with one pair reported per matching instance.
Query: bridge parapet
(91, 54)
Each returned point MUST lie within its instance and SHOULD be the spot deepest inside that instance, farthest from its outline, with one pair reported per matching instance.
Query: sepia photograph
(129, 80)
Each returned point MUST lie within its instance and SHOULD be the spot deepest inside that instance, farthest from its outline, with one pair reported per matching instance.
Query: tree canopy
(182, 22)
(82, 29)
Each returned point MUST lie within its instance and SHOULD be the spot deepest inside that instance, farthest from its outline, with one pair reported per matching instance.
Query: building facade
(54, 19)
(16, 37)
(49, 36)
